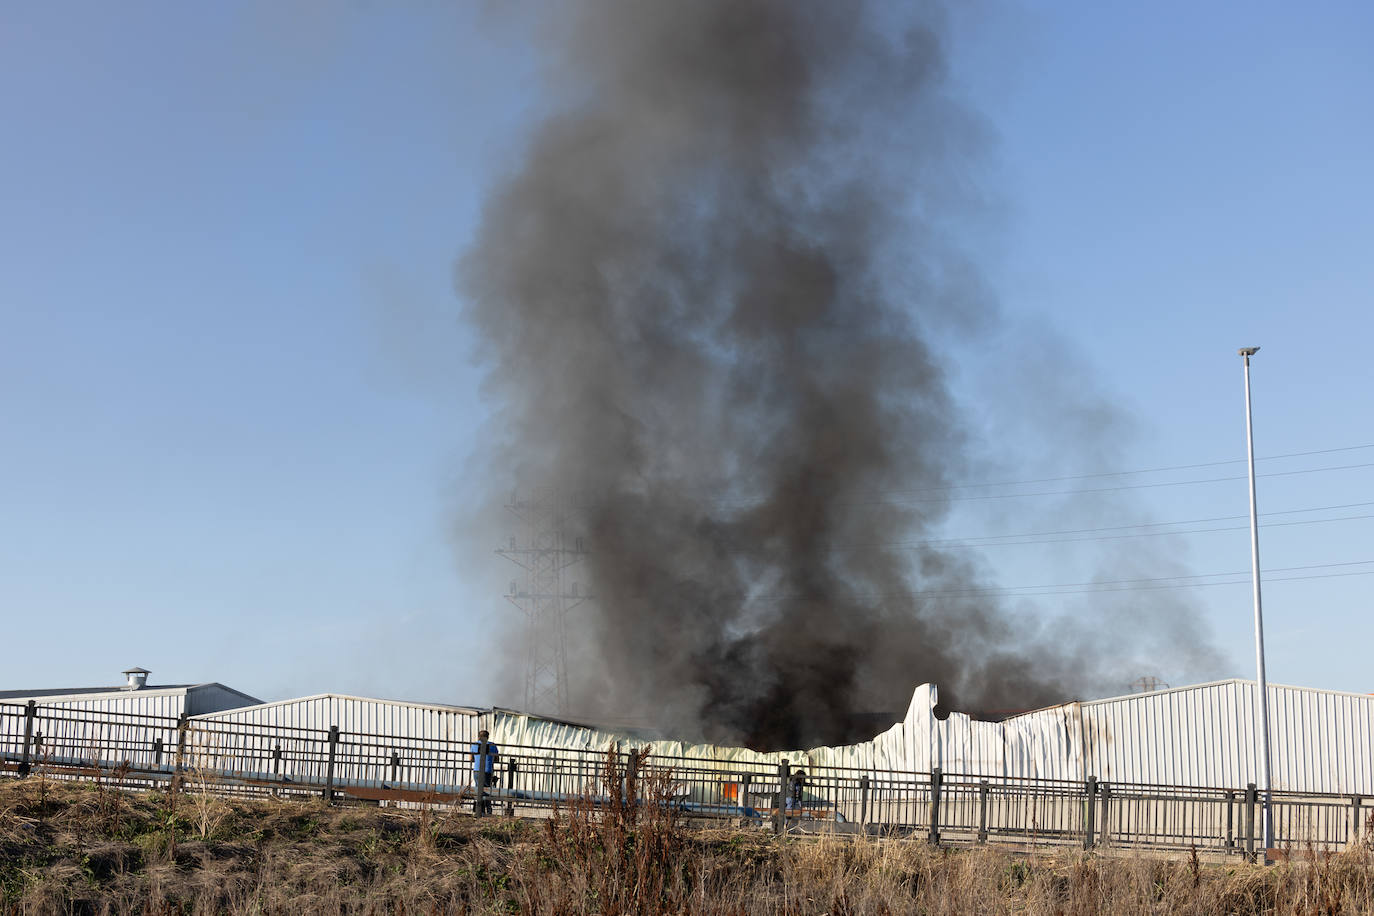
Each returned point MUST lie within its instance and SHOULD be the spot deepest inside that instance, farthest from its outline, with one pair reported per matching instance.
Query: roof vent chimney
(137, 678)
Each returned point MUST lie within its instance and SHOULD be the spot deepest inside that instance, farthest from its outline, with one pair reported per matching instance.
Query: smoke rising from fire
(707, 293)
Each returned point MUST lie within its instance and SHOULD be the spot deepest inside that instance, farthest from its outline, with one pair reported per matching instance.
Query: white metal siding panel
(1286, 714)
(1182, 735)
(1164, 722)
(384, 719)
(1321, 741)
(1172, 738)
(428, 740)
(1195, 740)
(1235, 724)
(1357, 721)
(169, 703)
(1230, 730)
(1327, 754)
(973, 748)
(1205, 736)
(1247, 718)
(956, 750)
(1025, 738)
(115, 729)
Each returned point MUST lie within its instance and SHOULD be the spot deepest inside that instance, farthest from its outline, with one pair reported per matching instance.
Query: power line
(963, 541)
(1033, 591)
(1175, 467)
(1066, 535)
(1241, 572)
(1144, 486)
(1156, 587)
(1310, 521)
(1188, 521)
(686, 495)
(1111, 537)
(1147, 588)
(900, 497)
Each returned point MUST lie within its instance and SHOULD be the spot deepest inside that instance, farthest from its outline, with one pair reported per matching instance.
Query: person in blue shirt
(798, 786)
(484, 773)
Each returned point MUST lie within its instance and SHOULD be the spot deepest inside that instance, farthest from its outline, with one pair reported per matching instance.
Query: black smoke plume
(707, 292)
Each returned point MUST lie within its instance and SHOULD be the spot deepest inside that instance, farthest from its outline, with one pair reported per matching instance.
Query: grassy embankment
(85, 848)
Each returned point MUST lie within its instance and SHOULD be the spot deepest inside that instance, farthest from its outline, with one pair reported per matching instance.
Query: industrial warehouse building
(109, 724)
(360, 715)
(1200, 736)
(137, 697)
(1203, 736)
(427, 742)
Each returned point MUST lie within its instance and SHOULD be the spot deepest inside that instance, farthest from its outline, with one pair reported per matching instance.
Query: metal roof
(89, 693)
(1220, 683)
(82, 691)
(296, 701)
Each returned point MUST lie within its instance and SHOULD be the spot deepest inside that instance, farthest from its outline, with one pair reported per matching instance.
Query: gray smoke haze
(708, 295)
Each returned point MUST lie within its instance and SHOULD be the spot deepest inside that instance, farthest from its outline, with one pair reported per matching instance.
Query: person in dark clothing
(798, 783)
(484, 774)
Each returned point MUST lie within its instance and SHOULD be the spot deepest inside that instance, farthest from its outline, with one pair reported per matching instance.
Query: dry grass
(74, 848)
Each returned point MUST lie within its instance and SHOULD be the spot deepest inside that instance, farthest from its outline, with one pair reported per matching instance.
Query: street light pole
(1265, 787)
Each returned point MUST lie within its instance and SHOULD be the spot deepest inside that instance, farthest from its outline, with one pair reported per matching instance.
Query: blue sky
(239, 412)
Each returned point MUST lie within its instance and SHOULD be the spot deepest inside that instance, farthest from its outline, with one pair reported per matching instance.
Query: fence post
(628, 777)
(1230, 820)
(937, 779)
(179, 764)
(982, 811)
(511, 769)
(1090, 813)
(863, 800)
(276, 768)
(1105, 791)
(479, 779)
(780, 816)
(1355, 802)
(1250, 798)
(329, 765)
(157, 752)
(26, 761)
(744, 793)
(395, 766)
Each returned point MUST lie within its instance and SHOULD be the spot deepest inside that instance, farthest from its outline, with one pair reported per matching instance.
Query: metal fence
(142, 751)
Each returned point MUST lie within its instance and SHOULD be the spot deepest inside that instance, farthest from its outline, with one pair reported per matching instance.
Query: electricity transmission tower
(545, 551)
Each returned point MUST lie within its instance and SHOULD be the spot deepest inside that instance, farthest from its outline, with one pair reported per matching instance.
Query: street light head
(1248, 351)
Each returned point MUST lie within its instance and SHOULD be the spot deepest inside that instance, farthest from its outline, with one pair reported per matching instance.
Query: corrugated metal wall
(1321, 741)
(149, 701)
(1204, 736)
(170, 703)
(1201, 736)
(362, 715)
(1327, 739)
(428, 743)
(113, 726)
(1197, 736)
